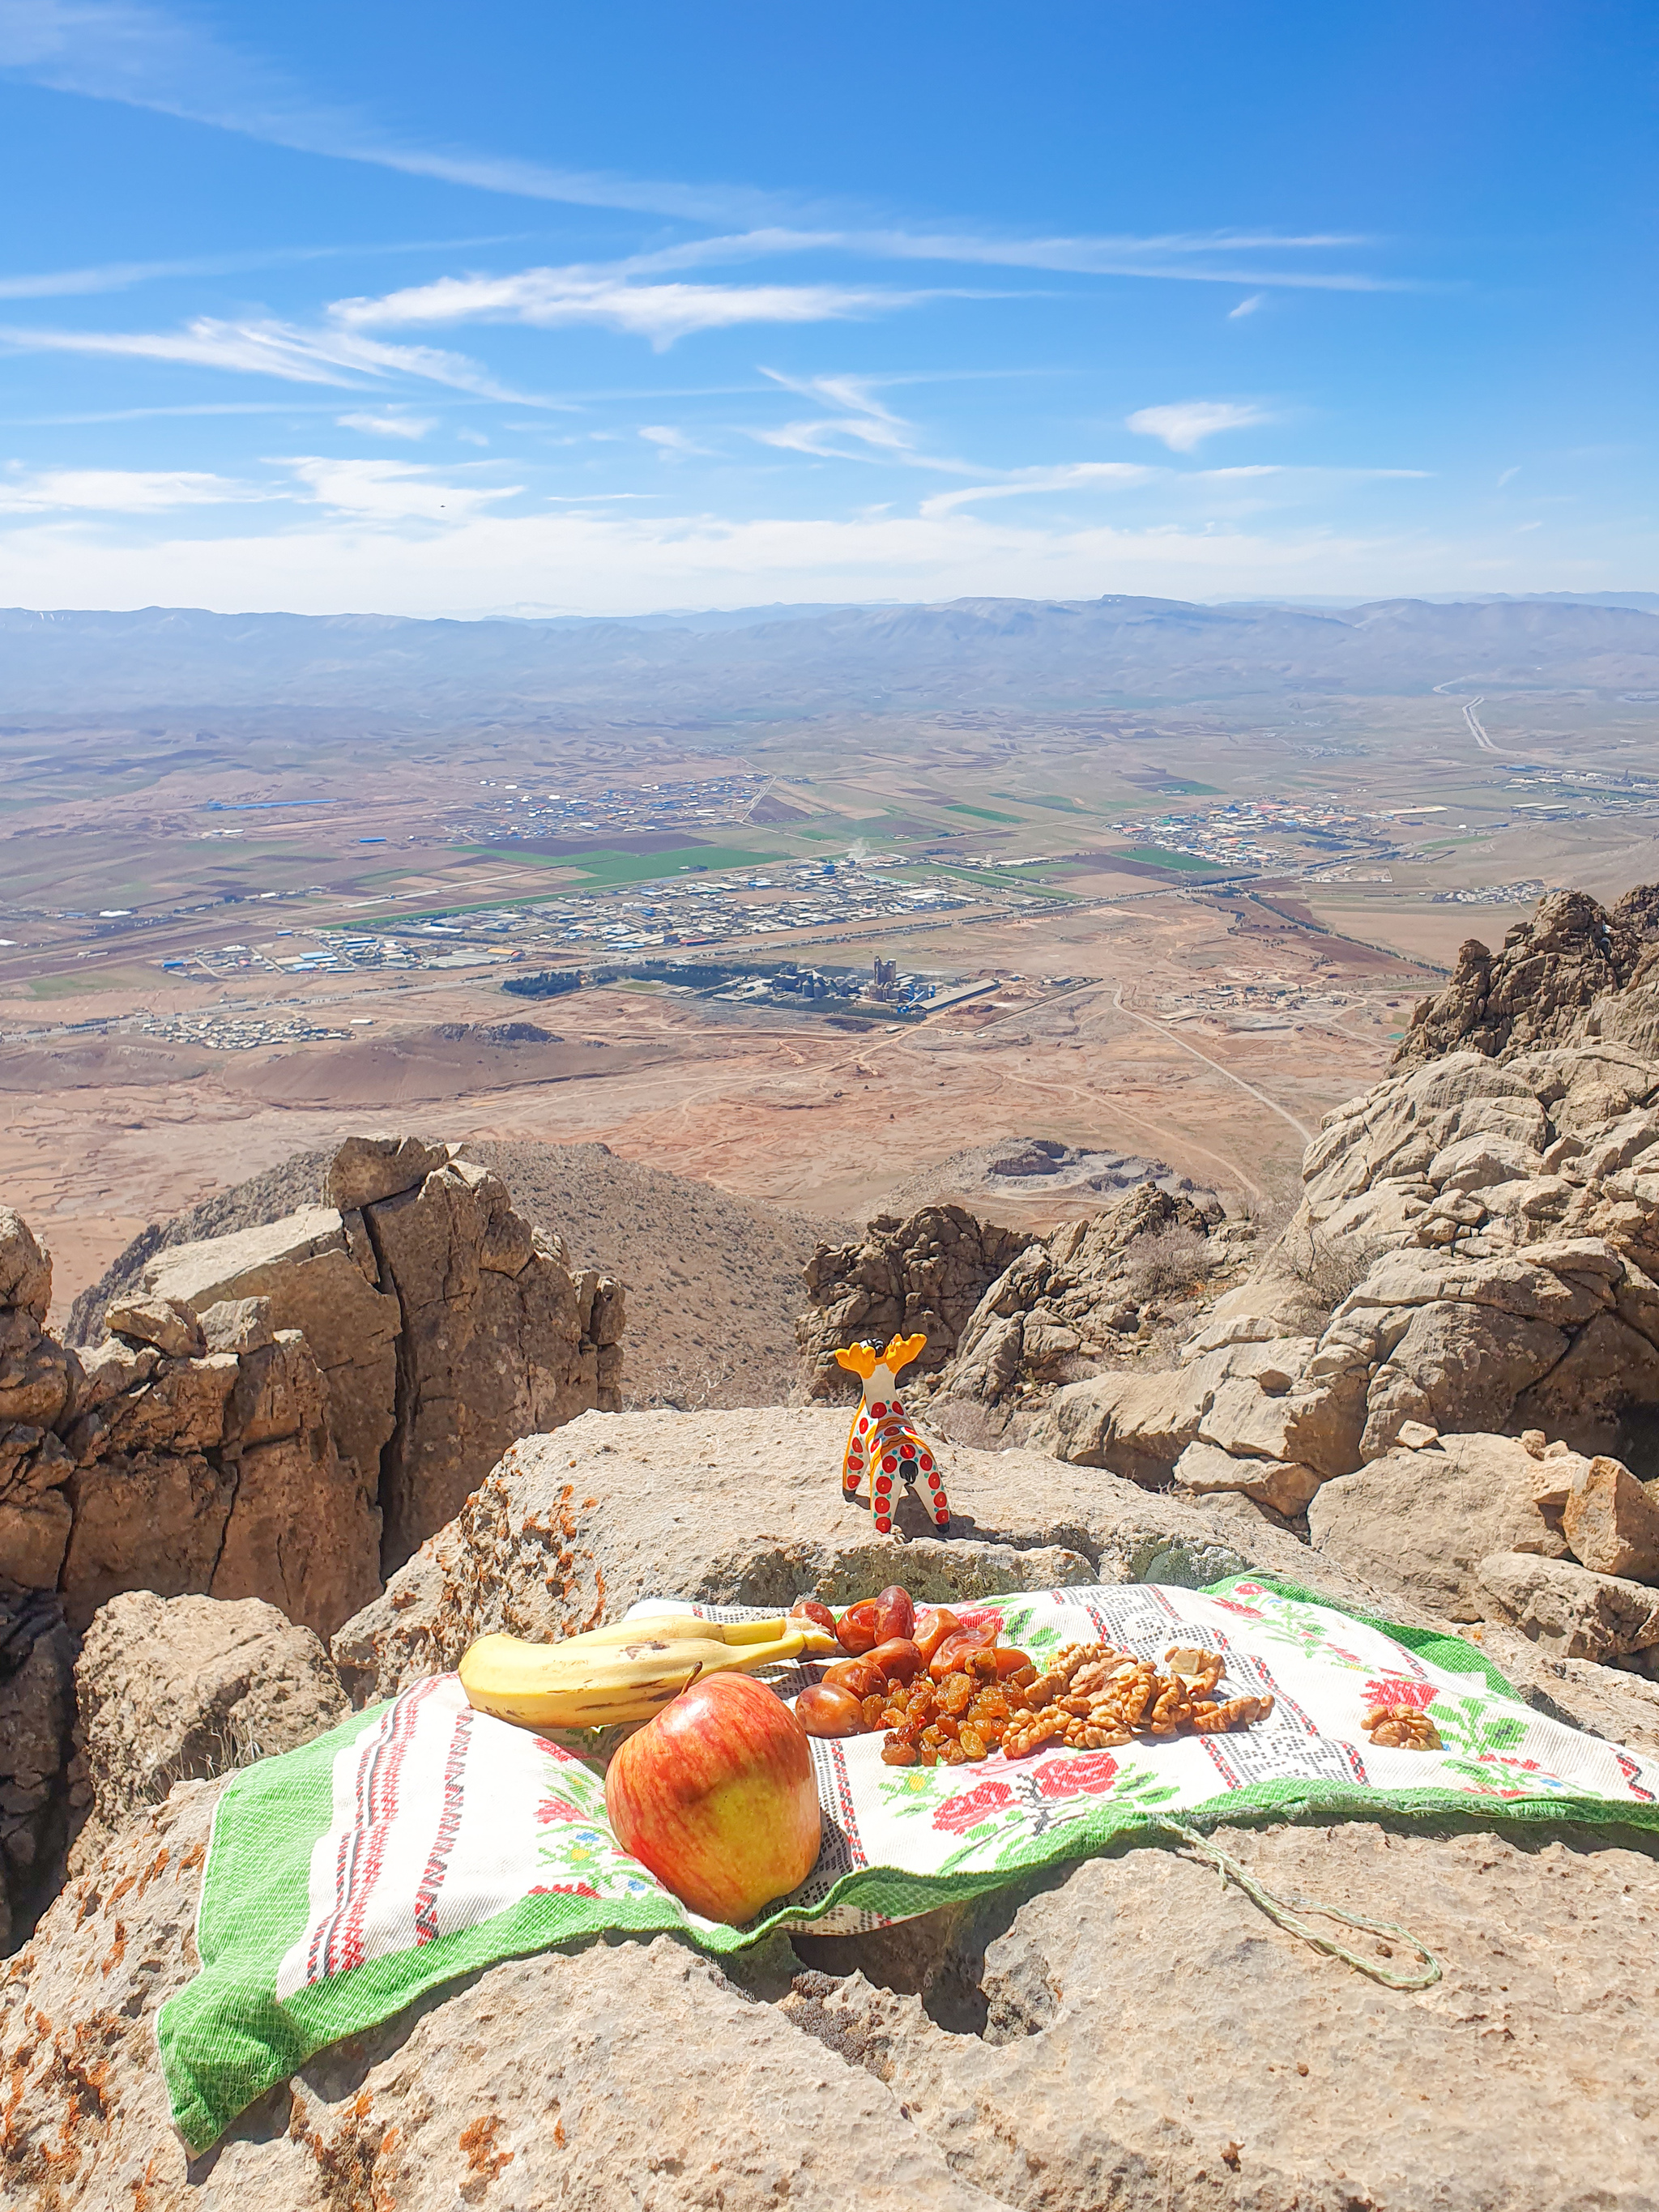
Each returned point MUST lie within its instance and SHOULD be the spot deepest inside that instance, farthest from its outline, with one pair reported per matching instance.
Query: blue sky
(537, 307)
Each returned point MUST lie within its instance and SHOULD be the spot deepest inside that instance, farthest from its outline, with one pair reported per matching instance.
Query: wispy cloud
(121, 276)
(547, 298)
(669, 440)
(862, 428)
(1508, 476)
(1245, 308)
(118, 491)
(387, 491)
(1069, 476)
(390, 426)
(298, 355)
(143, 57)
(1184, 427)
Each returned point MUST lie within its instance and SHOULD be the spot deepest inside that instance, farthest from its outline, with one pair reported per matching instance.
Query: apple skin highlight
(716, 1797)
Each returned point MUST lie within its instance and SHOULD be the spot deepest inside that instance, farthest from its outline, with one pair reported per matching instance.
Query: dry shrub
(1329, 1268)
(1170, 1264)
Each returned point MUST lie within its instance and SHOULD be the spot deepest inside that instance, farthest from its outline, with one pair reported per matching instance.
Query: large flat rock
(1152, 2040)
(1128, 2033)
(745, 1508)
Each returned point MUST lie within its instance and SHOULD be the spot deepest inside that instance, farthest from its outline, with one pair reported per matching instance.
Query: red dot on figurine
(926, 1464)
(879, 1409)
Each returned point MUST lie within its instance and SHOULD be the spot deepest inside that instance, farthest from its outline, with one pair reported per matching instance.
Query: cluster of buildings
(1234, 835)
(686, 804)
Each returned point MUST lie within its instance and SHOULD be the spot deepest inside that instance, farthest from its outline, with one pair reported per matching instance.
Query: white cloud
(621, 562)
(1245, 308)
(272, 349)
(390, 426)
(117, 491)
(1069, 476)
(120, 50)
(550, 298)
(1508, 476)
(875, 431)
(393, 491)
(1184, 427)
(669, 440)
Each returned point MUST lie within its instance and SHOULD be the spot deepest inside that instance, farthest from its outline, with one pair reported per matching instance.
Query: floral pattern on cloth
(421, 1840)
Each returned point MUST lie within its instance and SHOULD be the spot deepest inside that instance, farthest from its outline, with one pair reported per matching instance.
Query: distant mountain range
(1108, 652)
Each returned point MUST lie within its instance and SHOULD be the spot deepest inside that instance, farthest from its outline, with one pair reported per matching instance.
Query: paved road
(1476, 731)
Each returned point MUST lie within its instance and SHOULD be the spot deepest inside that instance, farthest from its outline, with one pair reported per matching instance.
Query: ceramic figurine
(882, 1441)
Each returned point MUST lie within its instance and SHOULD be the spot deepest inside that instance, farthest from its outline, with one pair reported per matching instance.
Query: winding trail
(1260, 1096)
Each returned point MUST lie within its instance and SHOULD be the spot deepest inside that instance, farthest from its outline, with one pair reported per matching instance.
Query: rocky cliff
(283, 1414)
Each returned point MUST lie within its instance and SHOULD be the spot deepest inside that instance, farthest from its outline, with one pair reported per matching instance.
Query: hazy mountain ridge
(983, 651)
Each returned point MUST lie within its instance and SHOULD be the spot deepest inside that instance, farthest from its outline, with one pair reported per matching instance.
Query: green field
(1188, 862)
(982, 813)
(1015, 880)
(85, 980)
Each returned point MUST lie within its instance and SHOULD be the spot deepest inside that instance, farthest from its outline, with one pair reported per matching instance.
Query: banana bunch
(626, 1672)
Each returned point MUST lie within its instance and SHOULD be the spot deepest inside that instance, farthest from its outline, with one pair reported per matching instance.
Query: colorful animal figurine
(882, 1439)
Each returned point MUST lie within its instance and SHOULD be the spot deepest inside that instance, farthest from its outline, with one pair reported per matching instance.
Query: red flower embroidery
(558, 1808)
(1090, 1776)
(1249, 1612)
(1401, 1692)
(965, 1812)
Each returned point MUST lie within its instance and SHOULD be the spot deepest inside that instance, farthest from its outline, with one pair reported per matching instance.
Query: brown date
(856, 1629)
(933, 1625)
(809, 1608)
(856, 1676)
(822, 1711)
(898, 1659)
(895, 1616)
(954, 1652)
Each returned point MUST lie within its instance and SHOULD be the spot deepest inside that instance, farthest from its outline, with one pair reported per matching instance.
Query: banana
(627, 1671)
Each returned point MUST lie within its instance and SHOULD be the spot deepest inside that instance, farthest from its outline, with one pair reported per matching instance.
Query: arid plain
(1177, 932)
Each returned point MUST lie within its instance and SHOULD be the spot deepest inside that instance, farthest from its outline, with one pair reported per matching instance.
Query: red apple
(716, 1796)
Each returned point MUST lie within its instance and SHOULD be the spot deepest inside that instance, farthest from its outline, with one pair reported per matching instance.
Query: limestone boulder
(1422, 1521)
(35, 1516)
(365, 1169)
(219, 1476)
(1547, 976)
(1203, 1470)
(923, 1275)
(1611, 1522)
(1090, 1292)
(170, 1690)
(495, 1343)
(1567, 1607)
(25, 1267)
(746, 1509)
(144, 1521)
(1135, 1425)
(37, 1716)
(306, 1268)
(165, 1322)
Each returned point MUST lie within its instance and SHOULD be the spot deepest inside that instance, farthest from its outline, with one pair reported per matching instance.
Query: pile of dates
(940, 1683)
(948, 1693)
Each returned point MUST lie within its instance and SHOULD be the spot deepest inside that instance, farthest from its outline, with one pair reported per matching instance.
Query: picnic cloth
(420, 1840)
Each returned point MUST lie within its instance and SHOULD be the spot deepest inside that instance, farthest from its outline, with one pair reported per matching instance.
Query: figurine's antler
(862, 1360)
(900, 1351)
